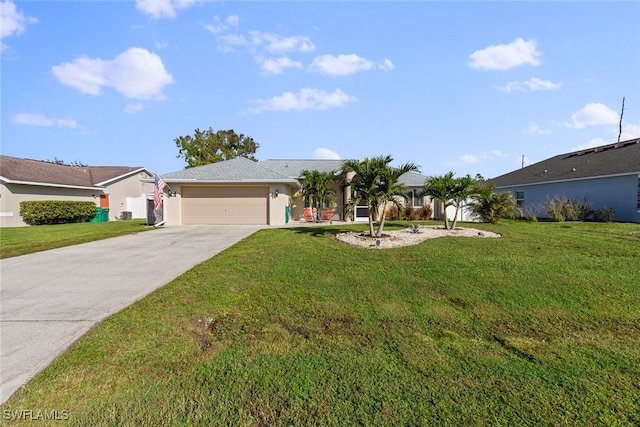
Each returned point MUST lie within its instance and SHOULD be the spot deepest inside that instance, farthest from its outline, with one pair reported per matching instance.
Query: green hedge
(38, 212)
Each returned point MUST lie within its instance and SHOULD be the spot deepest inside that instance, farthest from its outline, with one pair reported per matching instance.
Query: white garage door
(224, 205)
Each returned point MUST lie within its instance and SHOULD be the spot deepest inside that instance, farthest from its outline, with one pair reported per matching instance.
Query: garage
(225, 205)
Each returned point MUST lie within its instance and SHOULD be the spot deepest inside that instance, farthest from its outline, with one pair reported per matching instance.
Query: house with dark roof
(243, 191)
(109, 187)
(605, 176)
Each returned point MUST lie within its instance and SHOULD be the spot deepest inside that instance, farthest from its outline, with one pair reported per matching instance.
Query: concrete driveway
(49, 299)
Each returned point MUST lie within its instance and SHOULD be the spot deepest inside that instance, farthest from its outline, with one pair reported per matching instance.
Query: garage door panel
(224, 205)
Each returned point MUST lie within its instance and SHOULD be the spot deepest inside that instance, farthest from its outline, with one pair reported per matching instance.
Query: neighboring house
(242, 191)
(608, 175)
(109, 187)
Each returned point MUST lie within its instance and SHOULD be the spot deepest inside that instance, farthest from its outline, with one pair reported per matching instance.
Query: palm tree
(391, 191)
(450, 191)
(316, 188)
(439, 188)
(463, 188)
(376, 184)
(491, 206)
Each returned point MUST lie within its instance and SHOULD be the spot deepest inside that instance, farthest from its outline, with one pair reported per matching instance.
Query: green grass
(289, 327)
(17, 241)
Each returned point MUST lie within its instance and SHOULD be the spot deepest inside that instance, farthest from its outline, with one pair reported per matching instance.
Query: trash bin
(105, 215)
(98, 217)
(286, 214)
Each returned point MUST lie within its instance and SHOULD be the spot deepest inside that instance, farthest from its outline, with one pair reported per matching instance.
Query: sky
(470, 87)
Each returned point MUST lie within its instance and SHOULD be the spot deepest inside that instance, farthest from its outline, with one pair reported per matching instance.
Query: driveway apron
(49, 299)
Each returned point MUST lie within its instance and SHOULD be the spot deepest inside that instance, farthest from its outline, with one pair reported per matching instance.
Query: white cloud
(499, 153)
(506, 56)
(12, 21)
(67, 123)
(135, 73)
(162, 8)
(531, 84)
(344, 65)
(325, 154)
(630, 131)
(593, 114)
(134, 108)
(220, 26)
(305, 99)
(30, 119)
(469, 158)
(533, 129)
(277, 65)
(270, 42)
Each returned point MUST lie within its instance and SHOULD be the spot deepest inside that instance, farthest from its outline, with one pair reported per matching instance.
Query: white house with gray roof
(242, 191)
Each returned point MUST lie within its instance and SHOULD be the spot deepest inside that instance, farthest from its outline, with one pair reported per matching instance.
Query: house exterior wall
(278, 204)
(131, 186)
(12, 194)
(622, 193)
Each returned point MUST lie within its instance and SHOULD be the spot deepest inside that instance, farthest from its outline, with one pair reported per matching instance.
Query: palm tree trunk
(382, 218)
(455, 217)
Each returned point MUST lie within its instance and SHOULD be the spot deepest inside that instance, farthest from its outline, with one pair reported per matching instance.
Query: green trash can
(105, 215)
(98, 217)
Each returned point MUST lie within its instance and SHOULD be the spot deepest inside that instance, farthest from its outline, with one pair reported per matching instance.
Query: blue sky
(464, 86)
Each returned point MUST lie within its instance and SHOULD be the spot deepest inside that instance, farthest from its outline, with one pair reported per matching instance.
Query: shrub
(561, 208)
(392, 213)
(410, 213)
(38, 212)
(604, 214)
(425, 213)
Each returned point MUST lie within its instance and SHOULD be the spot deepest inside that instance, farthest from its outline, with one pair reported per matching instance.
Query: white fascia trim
(48, 184)
(569, 180)
(117, 178)
(229, 181)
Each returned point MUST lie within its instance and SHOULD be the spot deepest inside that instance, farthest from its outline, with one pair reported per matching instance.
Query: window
(520, 198)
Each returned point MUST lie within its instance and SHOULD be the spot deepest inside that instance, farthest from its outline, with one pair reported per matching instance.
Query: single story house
(109, 187)
(605, 176)
(243, 191)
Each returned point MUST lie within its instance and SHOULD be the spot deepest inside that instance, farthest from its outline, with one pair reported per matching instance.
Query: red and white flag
(157, 192)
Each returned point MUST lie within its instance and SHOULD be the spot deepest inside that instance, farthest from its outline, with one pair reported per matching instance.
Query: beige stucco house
(108, 187)
(243, 191)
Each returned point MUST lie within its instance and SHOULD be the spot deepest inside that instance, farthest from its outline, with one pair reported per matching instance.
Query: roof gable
(611, 159)
(38, 172)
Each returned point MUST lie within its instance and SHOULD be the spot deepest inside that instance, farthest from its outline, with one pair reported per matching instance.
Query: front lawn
(289, 327)
(17, 241)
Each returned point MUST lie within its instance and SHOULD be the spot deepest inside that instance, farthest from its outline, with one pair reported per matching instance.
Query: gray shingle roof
(413, 179)
(14, 169)
(239, 169)
(242, 169)
(611, 159)
(294, 168)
